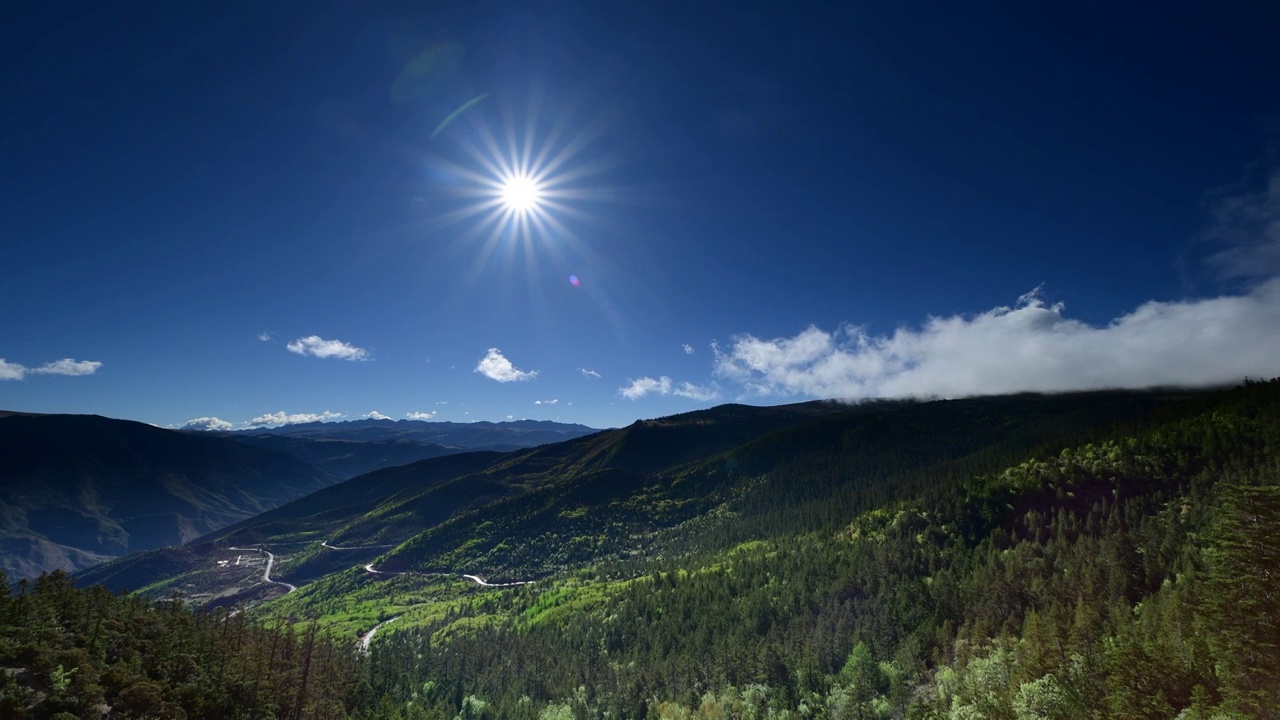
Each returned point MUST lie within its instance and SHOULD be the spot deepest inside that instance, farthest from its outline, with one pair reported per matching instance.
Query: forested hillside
(1137, 575)
(71, 653)
(1108, 555)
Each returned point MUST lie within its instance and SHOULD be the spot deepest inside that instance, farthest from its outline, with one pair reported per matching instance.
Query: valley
(873, 556)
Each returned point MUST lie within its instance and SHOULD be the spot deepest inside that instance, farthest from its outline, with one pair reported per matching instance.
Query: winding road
(363, 643)
(480, 581)
(369, 568)
(325, 543)
(266, 571)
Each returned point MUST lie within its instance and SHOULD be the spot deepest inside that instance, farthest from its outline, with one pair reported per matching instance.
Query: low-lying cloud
(1031, 346)
(316, 346)
(65, 366)
(206, 423)
(495, 366)
(420, 415)
(375, 415)
(283, 418)
(664, 385)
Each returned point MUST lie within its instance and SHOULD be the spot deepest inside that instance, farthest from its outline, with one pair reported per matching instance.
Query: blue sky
(236, 213)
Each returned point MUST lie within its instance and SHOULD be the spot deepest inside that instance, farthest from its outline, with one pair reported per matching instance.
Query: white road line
(363, 643)
(266, 572)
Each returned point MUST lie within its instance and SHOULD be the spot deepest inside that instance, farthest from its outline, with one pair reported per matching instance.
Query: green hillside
(1110, 554)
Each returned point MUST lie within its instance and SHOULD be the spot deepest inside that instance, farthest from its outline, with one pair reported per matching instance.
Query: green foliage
(1087, 556)
(73, 651)
(1078, 581)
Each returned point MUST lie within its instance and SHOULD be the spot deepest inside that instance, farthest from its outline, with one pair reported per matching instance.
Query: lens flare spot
(573, 280)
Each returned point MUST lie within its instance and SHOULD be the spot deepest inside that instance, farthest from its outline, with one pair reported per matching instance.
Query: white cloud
(375, 415)
(11, 371)
(495, 366)
(511, 417)
(206, 423)
(420, 415)
(589, 373)
(666, 386)
(281, 418)
(1246, 228)
(317, 346)
(1031, 346)
(65, 366)
(688, 349)
(264, 336)
(546, 402)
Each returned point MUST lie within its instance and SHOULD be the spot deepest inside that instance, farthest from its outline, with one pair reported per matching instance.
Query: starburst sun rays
(519, 191)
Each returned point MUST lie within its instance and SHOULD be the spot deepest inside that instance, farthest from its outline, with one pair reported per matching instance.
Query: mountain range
(1100, 554)
(76, 490)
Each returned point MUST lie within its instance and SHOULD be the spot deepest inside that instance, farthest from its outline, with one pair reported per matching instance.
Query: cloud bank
(420, 415)
(65, 366)
(495, 366)
(664, 385)
(282, 418)
(1031, 346)
(316, 346)
(206, 423)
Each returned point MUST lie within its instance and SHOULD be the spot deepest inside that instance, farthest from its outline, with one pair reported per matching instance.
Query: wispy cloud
(206, 423)
(1031, 346)
(664, 385)
(375, 415)
(688, 349)
(420, 415)
(589, 373)
(317, 346)
(495, 366)
(65, 366)
(283, 418)
(1245, 227)
(553, 401)
(264, 336)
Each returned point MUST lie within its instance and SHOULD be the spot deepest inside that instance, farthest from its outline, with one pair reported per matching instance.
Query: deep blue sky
(180, 179)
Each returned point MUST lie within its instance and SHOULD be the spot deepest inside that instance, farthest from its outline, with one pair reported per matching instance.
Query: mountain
(345, 459)
(471, 436)
(78, 489)
(537, 511)
(1105, 554)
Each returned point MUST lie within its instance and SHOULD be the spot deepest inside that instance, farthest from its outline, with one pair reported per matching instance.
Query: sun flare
(521, 193)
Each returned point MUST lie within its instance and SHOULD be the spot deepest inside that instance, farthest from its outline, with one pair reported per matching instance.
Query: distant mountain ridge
(480, 435)
(79, 489)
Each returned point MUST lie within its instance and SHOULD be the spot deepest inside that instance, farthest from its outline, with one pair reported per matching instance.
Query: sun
(521, 191)
(521, 194)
